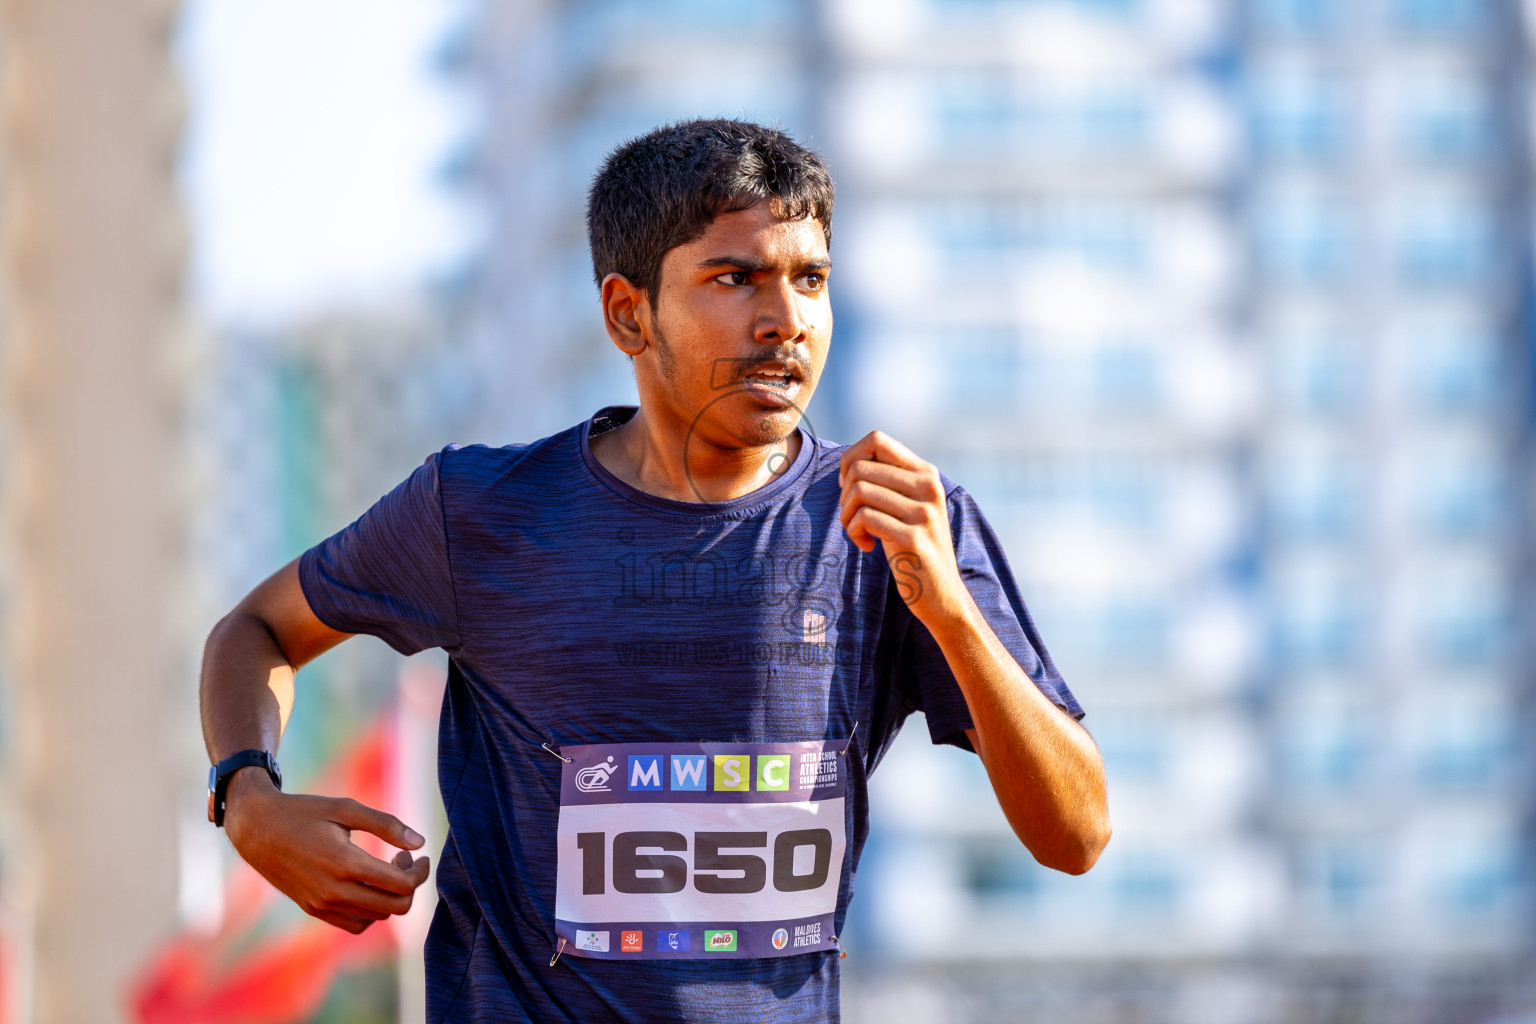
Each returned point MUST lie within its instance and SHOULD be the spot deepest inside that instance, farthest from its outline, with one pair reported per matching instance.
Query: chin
(754, 423)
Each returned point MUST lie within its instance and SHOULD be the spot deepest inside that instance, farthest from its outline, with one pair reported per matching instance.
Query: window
(974, 238)
(975, 111)
(1465, 740)
(1478, 871)
(1303, 238)
(1000, 868)
(1467, 622)
(1455, 368)
(1112, 119)
(1124, 493)
(1094, 8)
(1147, 885)
(1284, 17)
(1319, 623)
(1317, 371)
(1121, 632)
(1339, 877)
(1444, 241)
(1127, 377)
(1453, 17)
(1324, 746)
(988, 111)
(1316, 494)
(1107, 236)
(1134, 747)
(1125, 490)
(1134, 631)
(1446, 118)
(1462, 492)
(1298, 114)
(985, 369)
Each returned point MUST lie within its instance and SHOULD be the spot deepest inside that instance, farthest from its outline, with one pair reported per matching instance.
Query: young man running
(681, 638)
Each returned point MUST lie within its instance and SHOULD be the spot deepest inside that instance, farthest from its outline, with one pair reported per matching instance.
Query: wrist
(244, 786)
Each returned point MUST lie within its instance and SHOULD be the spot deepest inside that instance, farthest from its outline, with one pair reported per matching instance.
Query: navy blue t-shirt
(576, 609)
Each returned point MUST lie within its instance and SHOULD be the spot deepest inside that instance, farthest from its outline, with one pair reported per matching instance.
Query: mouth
(784, 378)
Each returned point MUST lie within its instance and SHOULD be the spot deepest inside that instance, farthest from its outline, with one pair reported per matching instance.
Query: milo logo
(720, 941)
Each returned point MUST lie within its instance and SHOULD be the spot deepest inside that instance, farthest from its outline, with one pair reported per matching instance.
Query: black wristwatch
(218, 778)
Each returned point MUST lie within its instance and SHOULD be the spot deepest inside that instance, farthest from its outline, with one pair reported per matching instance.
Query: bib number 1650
(636, 872)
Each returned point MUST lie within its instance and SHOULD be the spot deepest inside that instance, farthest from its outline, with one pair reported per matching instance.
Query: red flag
(228, 978)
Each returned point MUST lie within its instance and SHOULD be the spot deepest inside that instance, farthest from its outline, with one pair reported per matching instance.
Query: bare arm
(1044, 766)
(301, 844)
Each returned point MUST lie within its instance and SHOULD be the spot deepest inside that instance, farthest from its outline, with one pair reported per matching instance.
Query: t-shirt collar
(613, 416)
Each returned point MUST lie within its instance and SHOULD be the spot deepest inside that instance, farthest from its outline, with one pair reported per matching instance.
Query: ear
(626, 311)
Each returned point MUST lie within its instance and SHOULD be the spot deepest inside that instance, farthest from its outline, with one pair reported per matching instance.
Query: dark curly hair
(664, 189)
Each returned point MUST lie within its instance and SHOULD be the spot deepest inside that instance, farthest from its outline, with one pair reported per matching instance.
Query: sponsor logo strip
(637, 940)
(702, 772)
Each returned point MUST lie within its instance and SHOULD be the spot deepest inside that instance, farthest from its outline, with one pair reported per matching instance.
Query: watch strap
(219, 774)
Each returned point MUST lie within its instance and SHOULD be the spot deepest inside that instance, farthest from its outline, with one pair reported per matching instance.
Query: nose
(779, 318)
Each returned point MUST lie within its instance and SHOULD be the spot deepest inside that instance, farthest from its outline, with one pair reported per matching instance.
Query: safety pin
(561, 949)
(567, 760)
(842, 949)
(851, 737)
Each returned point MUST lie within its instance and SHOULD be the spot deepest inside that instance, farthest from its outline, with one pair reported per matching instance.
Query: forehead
(755, 231)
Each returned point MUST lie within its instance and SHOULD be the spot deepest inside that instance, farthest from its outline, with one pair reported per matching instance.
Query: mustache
(727, 371)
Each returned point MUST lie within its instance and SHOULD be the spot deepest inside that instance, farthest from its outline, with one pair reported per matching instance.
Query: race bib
(698, 850)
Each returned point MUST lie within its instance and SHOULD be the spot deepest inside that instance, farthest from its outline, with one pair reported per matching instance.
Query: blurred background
(1221, 308)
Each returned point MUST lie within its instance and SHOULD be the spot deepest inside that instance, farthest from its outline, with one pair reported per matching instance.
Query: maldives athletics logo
(780, 939)
(595, 779)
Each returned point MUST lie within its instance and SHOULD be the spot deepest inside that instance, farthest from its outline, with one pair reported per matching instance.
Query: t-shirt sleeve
(388, 574)
(984, 568)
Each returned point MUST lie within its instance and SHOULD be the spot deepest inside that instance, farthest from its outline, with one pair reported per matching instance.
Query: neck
(648, 454)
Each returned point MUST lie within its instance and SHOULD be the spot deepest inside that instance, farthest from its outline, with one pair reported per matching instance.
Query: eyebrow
(750, 265)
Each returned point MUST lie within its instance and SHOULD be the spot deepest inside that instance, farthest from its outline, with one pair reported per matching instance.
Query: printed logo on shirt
(674, 942)
(596, 942)
(773, 772)
(814, 626)
(688, 772)
(733, 772)
(595, 779)
(645, 771)
(780, 938)
(631, 942)
(720, 941)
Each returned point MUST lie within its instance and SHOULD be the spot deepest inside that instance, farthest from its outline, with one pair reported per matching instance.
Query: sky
(313, 155)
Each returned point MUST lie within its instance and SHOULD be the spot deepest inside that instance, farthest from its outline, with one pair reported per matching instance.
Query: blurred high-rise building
(1386, 204)
(1046, 282)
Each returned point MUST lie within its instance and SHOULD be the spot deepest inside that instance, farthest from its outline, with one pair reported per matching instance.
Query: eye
(734, 277)
(815, 282)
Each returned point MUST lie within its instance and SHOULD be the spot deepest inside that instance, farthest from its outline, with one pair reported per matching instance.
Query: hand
(892, 496)
(302, 845)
